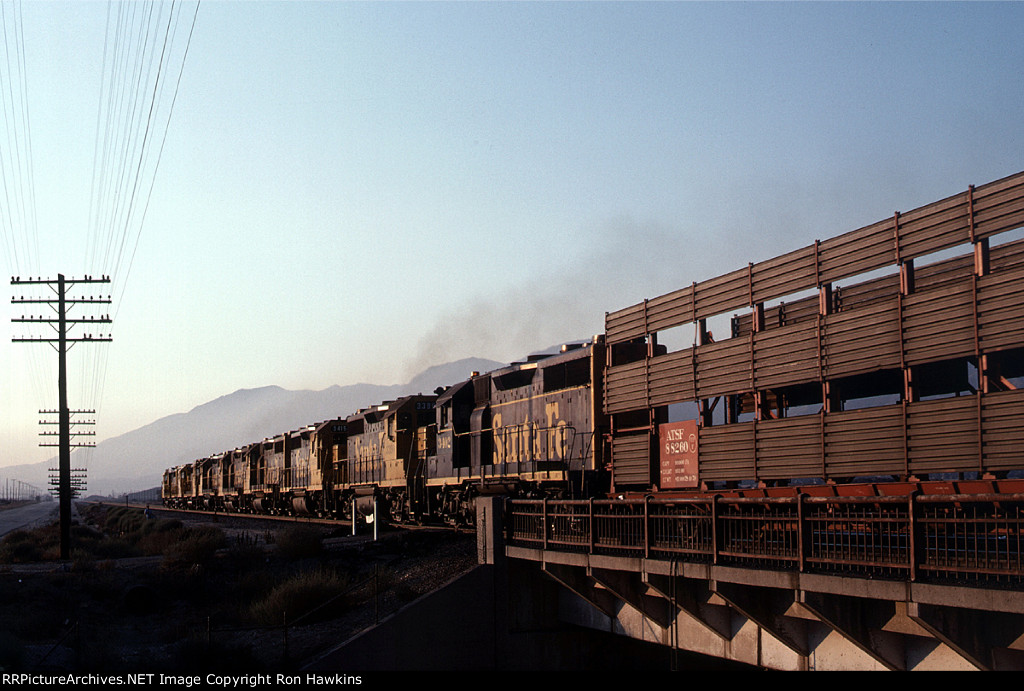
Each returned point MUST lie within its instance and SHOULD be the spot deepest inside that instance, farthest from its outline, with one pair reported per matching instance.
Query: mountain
(137, 459)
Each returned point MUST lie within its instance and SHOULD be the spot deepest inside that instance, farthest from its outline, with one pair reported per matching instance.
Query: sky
(347, 192)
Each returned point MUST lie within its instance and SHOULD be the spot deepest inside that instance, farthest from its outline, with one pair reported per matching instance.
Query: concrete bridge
(900, 583)
(871, 584)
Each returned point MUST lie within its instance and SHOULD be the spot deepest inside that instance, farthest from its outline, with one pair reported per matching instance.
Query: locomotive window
(567, 374)
(514, 380)
(482, 389)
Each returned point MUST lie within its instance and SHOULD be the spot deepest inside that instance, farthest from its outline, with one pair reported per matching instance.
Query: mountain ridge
(136, 459)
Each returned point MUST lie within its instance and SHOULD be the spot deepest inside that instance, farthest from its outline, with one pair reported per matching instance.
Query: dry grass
(116, 533)
(298, 542)
(311, 596)
(204, 603)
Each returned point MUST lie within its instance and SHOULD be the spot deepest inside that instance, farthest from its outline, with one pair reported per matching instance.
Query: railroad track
(305, 520)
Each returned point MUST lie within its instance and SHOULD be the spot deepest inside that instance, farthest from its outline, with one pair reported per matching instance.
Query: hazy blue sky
(355, 191)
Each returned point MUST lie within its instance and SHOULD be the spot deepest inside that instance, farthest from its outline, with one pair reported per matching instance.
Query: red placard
(678, 455)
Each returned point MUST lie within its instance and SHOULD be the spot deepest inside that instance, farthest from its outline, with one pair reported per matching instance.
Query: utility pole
(61, 323)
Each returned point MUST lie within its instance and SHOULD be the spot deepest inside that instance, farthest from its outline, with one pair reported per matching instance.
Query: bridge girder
(783, 620)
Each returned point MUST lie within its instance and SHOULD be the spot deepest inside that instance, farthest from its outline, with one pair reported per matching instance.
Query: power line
(131, 127)
(144, 44)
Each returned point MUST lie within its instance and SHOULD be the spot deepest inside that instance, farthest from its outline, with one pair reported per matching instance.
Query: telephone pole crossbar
(61, 323)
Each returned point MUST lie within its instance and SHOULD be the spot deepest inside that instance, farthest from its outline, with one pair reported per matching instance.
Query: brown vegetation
(183, 595)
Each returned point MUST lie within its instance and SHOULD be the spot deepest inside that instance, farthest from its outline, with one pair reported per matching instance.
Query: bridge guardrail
(917, 537)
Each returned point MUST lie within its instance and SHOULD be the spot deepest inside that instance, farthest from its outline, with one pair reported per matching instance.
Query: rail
(976, 538)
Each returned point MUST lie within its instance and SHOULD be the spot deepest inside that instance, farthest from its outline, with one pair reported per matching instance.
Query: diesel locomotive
(530, 429)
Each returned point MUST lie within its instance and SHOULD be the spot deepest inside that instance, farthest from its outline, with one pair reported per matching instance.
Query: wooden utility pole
(61, 322)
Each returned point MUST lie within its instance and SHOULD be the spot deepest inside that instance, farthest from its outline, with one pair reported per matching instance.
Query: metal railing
(915, 537)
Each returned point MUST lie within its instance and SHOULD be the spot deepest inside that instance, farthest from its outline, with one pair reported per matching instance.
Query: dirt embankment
(182, 593)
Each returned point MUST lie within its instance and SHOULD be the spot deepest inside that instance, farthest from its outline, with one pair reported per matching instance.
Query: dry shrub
(146, 536)
(298, 542)
(299, 596)
(254, 584)
(87, 541)
(123, 521)
(245, 554)
(157, 536)
(19, 547)
(195, 546)
(36, 544)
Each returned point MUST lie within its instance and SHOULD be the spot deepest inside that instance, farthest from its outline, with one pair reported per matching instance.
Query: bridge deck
(914, 582)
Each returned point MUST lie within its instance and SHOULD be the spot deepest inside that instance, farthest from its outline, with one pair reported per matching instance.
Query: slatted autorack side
(930, 353)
